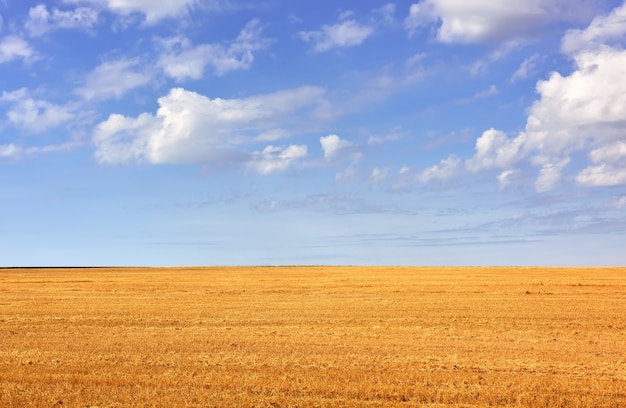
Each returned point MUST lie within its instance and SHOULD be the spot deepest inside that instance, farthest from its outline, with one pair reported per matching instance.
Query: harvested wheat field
(313, 337)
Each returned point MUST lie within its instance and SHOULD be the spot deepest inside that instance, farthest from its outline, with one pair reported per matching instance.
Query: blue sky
(191, 132)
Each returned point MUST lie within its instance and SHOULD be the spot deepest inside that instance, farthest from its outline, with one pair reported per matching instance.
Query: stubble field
(313, 336)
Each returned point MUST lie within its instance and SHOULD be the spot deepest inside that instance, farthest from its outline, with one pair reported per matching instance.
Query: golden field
(313, 337)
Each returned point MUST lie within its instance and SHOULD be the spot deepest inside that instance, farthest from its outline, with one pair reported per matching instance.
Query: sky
(280, 132)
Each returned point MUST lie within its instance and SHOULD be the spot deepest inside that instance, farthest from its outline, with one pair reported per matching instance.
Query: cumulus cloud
(602, 175)
(181, 60)
(588, 104)
(507, 178)
(34, 115)
(602, 30)
(192, 128)
(333, 146)
(274, 158)
(586, 109)
(608, 168)
(41, 21)
(489, 20)
(152, 11)
(112, 79)
(338, 150)
(347, 33)
(550, 175)
(583, 111)
(13, 47)
(495, 150)
(446, 170)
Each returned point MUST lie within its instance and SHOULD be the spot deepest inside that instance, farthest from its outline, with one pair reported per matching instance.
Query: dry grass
(313, 336)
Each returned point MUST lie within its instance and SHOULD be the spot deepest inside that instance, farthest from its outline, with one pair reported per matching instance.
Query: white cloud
(349, 175)
(491, 91)
(601, 31)
(32, 114)
(415, 68)
(9, 150)
(395, 133)
(14, 96)
(181, 60)
(120, 139)
(602, 175)
(387, 12)
(191, 128)
(420, 15)
(152, 11)
(378, 175)
(347, 33)
(12, 151)
(13, 47)
(612, 153)
(415, 59)
(550, 175)
(272, 135)
(403, 180)
(112, 79)
(609, 166)
(495, 150)
(333, 145)
(525, 68)
(619, 202)
(41, 21)
(444, 171)
(338, 150)
(490, 20)
(38, 116)
(588, 104)
(583, 111)
(481, 66)
(507, 178)
(273, 158)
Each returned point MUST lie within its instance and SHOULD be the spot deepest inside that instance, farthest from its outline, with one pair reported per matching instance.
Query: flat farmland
(313, 337)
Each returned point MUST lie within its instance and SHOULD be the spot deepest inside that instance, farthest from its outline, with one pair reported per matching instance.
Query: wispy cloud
(525, 68)
(112, 79)
(13, 47)
(41, 21)
(491, 91)
(344, 34)
(181, 60)
(151, 11)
